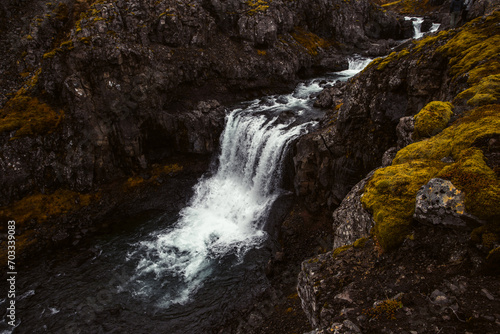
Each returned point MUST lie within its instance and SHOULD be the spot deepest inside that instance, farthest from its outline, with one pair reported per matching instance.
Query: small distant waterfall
(417, 26)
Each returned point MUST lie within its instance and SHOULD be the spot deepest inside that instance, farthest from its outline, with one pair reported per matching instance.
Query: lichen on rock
(439, 202)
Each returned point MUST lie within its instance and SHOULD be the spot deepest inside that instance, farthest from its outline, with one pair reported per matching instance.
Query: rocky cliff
(425, 221)
(123, 84)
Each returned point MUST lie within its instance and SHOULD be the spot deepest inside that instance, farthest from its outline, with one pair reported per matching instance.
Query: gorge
(114, 111)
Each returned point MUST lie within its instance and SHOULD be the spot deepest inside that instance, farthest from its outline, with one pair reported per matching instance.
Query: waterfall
(228, 210)
(227, 213)
(417, 25)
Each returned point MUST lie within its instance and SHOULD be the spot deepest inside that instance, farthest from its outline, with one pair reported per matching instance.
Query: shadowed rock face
(366, 124)
(130, 75)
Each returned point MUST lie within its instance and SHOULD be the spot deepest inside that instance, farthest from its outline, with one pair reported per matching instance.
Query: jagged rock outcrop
(428, 284)
(364, 127)
(129, 76)
(404, 131)
(419, 200)
(350, 220)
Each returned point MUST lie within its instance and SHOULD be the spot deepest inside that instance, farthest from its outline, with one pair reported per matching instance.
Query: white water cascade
(228, 211)
(417, 25)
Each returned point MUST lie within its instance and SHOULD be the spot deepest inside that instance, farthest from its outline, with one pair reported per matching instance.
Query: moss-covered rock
(391, 196)
(381, 63)
(310, 41)
(432, 119)
(28, 116)
(477, 42)
(487, 91)
(40, 207)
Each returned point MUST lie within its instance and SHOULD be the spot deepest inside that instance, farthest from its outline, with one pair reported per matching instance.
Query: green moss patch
(432, 119)
(311, 42)
(41, 207)
(487, 91)
(383, 62)
(158, 171)
(478, 181)
(28, 116)
(387, 309)
(391, 195)
(257, 6)
(454, 140)
(487, 236)
(339, 250)
(476, 42)
(430, 40)
(391, 192)
(360, 243)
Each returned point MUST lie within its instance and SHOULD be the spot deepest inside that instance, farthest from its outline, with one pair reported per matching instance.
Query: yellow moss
(452, 141)
(29, 84)
(469, 173)
(390, 195)
(479, 183)
(391, 3)
(432, 119)
(339, 250)
(28, 116)
(386, 308)
(485, 49)
(67, 45)
(383, 62)
(169, 169)
(484, 69)
(85, 40)
(311, 42)
(157, 171)
(41, 207)
(51, 53)
(430, 40)
(487, 235)
(133, 182)
(360, 243)
(487, 91)
(261, 52)
(257, 6)
(476, 44)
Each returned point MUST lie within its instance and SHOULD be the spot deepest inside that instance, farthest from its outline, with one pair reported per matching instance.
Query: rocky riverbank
(417, 240)
(107, 106)
(94, 92)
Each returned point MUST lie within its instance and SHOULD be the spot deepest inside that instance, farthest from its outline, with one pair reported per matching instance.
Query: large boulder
(350, 220)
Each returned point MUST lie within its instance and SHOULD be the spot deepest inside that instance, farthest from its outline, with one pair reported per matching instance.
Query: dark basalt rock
(350, 220)
(135, 78)
(375, 115)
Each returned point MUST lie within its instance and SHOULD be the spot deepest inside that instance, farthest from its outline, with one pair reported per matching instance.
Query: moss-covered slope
(456, 153)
